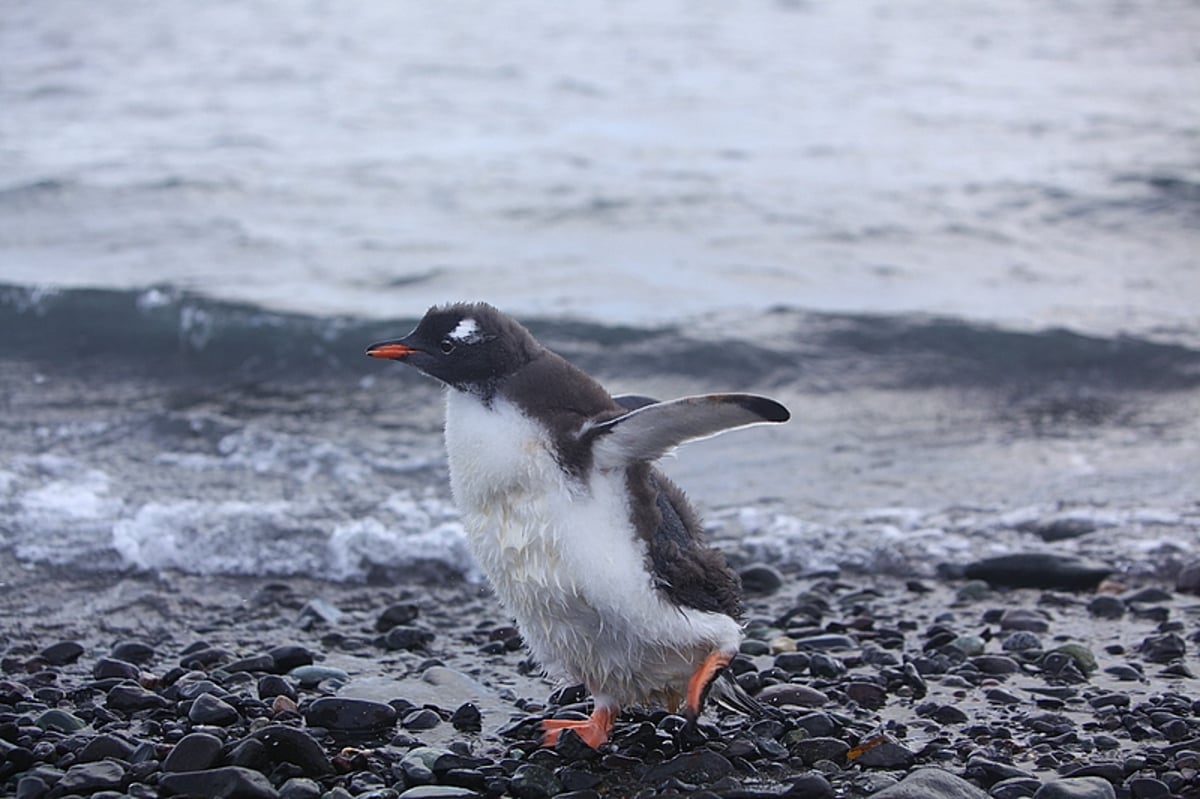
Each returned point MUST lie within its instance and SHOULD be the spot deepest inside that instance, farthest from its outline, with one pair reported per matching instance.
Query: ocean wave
(172, 333)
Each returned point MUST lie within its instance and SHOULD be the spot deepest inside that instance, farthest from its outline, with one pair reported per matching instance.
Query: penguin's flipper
(649, 432)
(631, 402)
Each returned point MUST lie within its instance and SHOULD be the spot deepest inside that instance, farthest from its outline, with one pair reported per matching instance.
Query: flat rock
(62, 653)
(811, 750)
(195, 751)
(931, 783)
(1077, 788)
(792, 694)
(86, 778)
(699, 768)
(285, 744)
(350, 715)
(1039, 570)
(208, 709)
(230, 782)
(104, 746)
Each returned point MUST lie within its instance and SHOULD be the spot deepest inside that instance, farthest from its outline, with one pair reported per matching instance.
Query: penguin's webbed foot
(593, 730)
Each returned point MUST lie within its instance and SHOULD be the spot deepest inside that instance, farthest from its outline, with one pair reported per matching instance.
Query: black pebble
(1038, 570)
(63, 653)
(467, 718)
(350, 715)
(194, 752)
(114, 667)
(408, 638)
(133, 652)
(289, 656)
(283, 744)
(208, 709)
(219, 783)
(401, 613)
(422, 719)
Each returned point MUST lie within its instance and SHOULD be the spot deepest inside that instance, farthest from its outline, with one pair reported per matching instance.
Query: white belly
(563, 557)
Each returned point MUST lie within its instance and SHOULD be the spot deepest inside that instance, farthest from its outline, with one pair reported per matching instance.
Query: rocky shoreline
(178, 685)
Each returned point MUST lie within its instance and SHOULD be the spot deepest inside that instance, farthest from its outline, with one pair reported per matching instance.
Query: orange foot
(700, 681)
(593, 730)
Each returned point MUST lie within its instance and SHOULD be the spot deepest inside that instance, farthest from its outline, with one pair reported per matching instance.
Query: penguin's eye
(447, 346)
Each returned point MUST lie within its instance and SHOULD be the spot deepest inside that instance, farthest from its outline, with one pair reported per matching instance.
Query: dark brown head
(468, 346)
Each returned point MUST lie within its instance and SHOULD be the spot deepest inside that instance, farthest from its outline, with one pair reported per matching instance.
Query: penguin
(596, 554)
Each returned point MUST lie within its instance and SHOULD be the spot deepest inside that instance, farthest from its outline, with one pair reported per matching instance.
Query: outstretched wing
(650, 431)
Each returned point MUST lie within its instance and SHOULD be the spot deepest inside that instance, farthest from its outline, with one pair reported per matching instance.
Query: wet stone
(194, 752)
(350, 715)
(1015, 788)
(931, 783)
(812, 750)
(822, 665)
(699, 767)
(995, 664)
(791, 694)
(467, 718)
(1162, 648)
(59, 720)
(1038, 570)
(89, 778)
(273, 685)
(887, 755)
(792, 662)
(113, 667)
(300, 788)
(130, 697)
(208, 709)
(290, 656)
(867, 694)
(405, 637)
(395, 615)
(761, 579)
(421, 719)
(1077, 788)
(255, 663)
(1021, 641)
(530, 781)
(283, 744)
(230, 782)
(132, 652)
(1106, 607)
(1024, 619)
(309, 675)
(1148, 788)
(104, 746)
(62, 653)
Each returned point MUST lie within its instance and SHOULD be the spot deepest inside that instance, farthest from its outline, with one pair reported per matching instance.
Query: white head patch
(467, 332)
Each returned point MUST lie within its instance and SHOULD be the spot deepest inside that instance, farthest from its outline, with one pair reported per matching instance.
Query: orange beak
(391, 349)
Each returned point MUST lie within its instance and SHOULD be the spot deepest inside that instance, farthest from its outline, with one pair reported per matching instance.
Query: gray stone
(63, 653)
(230, 782)
(103, 746)
(931, 783)
(300, 788)
(438, 792)
(791, 694)
(699, 768)
(284, 744)
(1015, 788)
(196, 751)
(208, 709)
(1077, 788)
(531, 781)
(350, 715)
(888, 755)
(59, 721)
(812, 750)
(86, 778)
